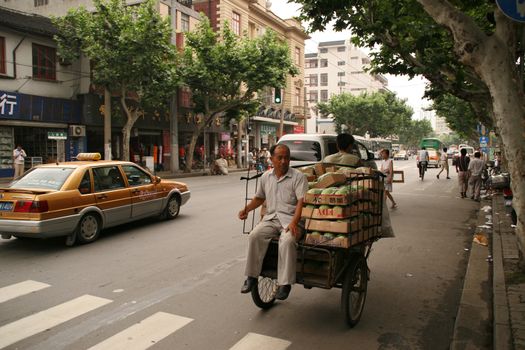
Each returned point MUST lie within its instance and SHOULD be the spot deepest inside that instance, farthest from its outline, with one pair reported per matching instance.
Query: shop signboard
(8, 104)
(267, 129)
(57, 135)
(225, 136)
(298, 129)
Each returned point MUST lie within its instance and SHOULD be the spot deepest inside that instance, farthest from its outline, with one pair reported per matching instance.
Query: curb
(473, 320)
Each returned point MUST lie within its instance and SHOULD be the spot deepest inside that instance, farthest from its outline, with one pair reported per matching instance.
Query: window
(298, 96)
(44, 62)
(304, 150)
(324, 63)
(2, 55)
(313, 80)
(184, 22)
(85, 184)
(40, 2)
(358, 89)
(341, 63)
(324, 79)
(43, 178)
(311, 64)
(323, 50)
(164, 10)
(324, 95)
(357, 72)
(341, 83)
(313, 96)
(297, 56)
(341, 49)
(340, 74)
(354, 58)
(236, 23)
(136, 177)
(108, 178)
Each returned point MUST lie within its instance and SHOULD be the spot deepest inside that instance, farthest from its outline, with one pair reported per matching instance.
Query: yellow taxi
(78, 199)
(433, 157)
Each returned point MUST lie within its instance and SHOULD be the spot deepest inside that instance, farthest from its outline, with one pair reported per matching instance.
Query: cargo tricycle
(340, 227)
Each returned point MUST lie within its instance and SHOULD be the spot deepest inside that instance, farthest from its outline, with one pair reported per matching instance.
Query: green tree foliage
(130, 51)
(380, 114)
(458, 113)
(413, 132)
(225, 72)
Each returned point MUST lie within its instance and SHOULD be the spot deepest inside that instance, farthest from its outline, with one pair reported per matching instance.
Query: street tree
(411, 133)
(225, 72)
(379, 114)
(467, 48)
(459, 115)
(131, 55)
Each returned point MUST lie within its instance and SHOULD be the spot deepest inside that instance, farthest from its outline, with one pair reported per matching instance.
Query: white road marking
(18, 289)
(144, 334)
(43, 320)
(254, 341)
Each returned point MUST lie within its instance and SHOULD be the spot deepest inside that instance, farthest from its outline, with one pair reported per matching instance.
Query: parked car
(401, 155)
(79, 199)
(311, 148)
(433, 158)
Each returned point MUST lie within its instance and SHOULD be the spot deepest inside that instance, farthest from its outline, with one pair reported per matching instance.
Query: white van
(312, 148)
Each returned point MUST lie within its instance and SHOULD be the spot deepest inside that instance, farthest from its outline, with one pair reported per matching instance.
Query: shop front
(267, 131)
(30, 121)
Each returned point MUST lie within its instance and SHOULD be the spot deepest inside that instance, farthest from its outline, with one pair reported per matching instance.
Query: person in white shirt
(475, 168)
(387, 168)
(444, 163)
(19, 156)
(422, 162)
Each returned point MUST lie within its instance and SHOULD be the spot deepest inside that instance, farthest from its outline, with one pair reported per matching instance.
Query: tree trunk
(492, 57)
(191, 147)
(107, 124)
(239, 144)
(131, 118)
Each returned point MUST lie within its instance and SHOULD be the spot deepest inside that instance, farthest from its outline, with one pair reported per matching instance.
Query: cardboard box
(371, 184)
(316, 213)
(331, 180)
(331, 199)
(334, 226)
(308, 170)
(319, 169)
(311, 178)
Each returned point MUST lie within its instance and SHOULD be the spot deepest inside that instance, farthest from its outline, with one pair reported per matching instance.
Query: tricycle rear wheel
(354, 290)
(263, 294)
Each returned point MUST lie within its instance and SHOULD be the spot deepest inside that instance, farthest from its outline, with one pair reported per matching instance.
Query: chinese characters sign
(8, 104)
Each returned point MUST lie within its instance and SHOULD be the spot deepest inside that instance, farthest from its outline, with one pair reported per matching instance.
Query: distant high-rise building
(337, 67)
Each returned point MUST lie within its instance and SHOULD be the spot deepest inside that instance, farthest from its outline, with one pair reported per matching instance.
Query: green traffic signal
(277, 95)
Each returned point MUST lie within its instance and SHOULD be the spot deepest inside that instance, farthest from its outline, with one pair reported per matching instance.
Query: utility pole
(107, 124)
(305, 112)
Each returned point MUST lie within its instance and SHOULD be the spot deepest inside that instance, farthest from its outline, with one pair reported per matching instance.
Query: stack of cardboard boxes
(343, 205)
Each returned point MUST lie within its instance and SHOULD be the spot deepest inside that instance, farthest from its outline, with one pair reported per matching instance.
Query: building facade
(337, 67)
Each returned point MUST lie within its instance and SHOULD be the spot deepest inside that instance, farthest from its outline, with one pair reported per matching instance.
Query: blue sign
(515, 9)
(483, 141)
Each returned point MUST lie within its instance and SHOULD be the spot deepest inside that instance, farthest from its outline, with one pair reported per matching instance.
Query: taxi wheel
(88, 228)
(172, 208)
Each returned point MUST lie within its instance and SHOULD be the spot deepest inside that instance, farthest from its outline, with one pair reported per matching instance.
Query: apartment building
(254, 17)
(337, 67)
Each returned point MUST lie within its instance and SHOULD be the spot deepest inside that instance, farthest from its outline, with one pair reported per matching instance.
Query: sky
(411, 90)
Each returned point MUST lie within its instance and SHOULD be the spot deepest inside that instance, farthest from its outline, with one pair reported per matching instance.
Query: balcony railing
(186, 3)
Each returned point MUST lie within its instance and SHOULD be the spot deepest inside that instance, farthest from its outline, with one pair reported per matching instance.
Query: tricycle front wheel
(263, 294)
(354, 290)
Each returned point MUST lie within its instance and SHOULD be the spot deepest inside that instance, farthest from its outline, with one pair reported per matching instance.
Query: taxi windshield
(44, 178)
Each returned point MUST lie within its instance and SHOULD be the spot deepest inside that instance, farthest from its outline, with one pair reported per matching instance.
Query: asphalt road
(175, 284)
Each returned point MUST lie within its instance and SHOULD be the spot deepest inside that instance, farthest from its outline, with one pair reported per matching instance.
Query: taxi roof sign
(89, 156)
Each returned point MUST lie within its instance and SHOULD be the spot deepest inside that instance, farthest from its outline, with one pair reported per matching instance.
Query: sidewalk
(491, 313)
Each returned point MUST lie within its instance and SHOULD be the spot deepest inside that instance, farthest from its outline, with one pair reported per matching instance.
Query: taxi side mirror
(84, 190)
(371, 156)
(157, 179)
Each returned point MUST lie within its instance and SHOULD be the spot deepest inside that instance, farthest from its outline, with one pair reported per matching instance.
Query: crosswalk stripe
(254, 341)
(19, 289)
(144, 334)
(46, 319)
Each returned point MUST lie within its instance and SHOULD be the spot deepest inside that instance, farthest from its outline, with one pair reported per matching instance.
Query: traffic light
(277, 96)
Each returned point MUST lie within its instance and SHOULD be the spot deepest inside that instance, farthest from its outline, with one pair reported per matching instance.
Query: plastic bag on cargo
(387, 231)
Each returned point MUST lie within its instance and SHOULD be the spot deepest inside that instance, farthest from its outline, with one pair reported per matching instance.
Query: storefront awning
(273, 121)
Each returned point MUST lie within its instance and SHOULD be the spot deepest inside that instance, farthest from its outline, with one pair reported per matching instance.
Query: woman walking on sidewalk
(387, 168)
(443, 163)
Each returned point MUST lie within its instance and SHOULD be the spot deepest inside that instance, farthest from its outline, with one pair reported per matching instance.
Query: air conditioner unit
(77, 130)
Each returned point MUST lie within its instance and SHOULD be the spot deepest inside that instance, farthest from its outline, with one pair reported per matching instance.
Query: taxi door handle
(102, 196)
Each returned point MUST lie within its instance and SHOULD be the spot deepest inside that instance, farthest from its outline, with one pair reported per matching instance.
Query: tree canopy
(225, 72)
(130, 51)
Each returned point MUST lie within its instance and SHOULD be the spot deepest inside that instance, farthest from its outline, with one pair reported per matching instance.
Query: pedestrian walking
(462, 164)
(283, 188)
(422, 162)
(475, 168)
(19, 156)
(387, 168)
(444, 163)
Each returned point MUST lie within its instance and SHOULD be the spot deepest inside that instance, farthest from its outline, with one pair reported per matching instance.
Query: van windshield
(309, 151)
